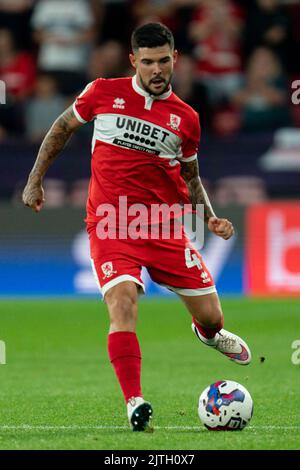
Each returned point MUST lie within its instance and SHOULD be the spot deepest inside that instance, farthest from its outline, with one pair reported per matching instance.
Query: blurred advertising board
(273, 249)
(47, 254)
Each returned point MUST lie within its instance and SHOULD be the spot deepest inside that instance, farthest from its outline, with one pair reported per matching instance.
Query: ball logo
(217, 399)
(225, 406)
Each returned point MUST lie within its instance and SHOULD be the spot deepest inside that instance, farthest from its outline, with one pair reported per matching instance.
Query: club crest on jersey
(119, 103)
(174, 122)
(108, 270)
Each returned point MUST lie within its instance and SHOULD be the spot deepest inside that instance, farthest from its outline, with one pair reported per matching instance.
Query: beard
(151, 92)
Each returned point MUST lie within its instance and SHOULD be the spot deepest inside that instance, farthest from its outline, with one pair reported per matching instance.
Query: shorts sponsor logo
(205, 278)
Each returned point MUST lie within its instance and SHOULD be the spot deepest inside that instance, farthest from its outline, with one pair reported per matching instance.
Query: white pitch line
(28, 427)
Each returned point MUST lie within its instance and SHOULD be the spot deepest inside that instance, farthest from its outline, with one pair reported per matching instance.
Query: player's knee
(122, 308)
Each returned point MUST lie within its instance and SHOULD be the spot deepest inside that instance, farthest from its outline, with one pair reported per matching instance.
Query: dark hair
(151, 35)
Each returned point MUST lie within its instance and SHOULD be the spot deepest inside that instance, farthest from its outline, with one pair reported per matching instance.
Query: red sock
(209, 332)
(125, 356)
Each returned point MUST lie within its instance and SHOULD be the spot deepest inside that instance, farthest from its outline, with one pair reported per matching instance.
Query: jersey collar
(147, 95)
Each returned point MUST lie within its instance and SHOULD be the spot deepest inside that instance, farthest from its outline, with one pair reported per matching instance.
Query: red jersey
(139, 141)
(20, 75)
(218, 53)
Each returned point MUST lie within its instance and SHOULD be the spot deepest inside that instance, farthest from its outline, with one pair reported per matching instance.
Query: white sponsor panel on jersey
(137, 134)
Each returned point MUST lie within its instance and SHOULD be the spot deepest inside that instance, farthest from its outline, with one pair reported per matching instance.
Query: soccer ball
(225, 406)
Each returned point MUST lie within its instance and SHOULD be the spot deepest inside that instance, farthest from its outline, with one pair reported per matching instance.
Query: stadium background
(249, 152)
(241, 74)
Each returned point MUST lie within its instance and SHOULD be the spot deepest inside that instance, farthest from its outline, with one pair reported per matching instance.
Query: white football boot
(139, 414)
(228, 344)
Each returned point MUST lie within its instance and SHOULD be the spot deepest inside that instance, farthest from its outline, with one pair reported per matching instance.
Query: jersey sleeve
(84, 105)
(190, 146)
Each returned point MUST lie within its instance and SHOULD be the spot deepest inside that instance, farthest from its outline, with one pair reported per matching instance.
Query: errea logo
(205, 277)
(119, 103)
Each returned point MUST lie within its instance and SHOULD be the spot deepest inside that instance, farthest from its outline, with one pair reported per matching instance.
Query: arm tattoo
(198, 195)
(53, 143)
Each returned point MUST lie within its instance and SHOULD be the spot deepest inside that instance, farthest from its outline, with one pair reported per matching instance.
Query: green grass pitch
(58, 390)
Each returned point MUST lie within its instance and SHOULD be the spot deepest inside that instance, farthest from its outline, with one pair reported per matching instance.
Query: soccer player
(145, 148)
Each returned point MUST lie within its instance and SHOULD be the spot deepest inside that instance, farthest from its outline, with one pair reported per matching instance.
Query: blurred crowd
(237, 58)
(237, 61)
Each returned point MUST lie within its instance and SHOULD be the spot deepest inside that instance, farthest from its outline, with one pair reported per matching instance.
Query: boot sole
(141, 417)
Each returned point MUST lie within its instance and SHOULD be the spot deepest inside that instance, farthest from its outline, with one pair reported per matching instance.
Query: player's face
(154, 68)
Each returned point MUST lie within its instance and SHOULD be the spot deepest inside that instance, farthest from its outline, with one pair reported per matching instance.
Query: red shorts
(173, 263)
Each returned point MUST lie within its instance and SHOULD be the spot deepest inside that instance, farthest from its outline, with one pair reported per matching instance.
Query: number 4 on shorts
(191, 259)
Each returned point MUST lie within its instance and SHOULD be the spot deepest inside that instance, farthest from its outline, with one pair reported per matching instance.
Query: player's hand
(33, 195)
(221, 227)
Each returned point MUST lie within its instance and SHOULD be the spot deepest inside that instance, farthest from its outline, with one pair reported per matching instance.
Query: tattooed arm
(190, 173)
(53, 143)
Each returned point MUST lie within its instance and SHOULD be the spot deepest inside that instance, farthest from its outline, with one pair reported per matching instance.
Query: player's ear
(175, 56)
(132, 59)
